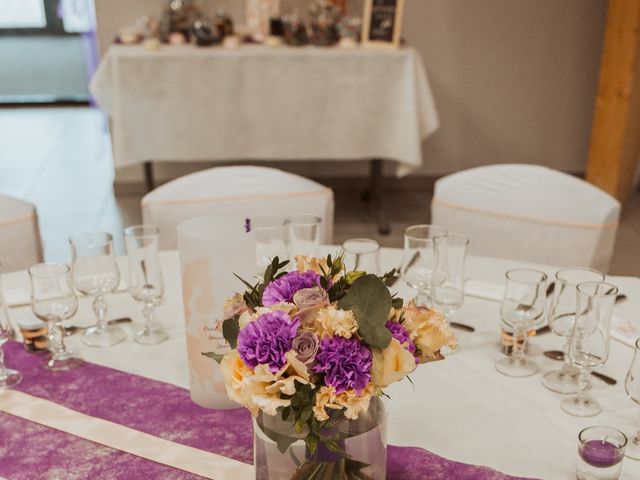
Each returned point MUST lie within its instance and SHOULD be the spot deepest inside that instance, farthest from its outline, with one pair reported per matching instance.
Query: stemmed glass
(522, 309)
(418, 259)
(145, 279)
(589, 342)
(561, 316)
(632, 386)
(96, 273)
(362, 255)
(53, 300)
(8, 378)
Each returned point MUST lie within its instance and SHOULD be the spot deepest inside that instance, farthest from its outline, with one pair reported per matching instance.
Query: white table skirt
(188, 103)
(461, 408)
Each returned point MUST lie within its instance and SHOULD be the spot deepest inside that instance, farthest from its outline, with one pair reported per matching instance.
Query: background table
(461, 408)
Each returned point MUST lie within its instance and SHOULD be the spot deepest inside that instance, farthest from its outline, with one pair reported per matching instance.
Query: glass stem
(422, 298)
(583, 385)
(58, 334)
(149, 317)
(519, 346)
(566, 367)
(636, 438)
(100, 310)
(53, 338)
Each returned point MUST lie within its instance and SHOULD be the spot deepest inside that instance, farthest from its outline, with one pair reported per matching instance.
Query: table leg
(149, 182)
(374, 195)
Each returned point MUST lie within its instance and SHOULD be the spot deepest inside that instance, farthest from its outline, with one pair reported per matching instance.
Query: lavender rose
(284, 288)
(345, 363)
(306, 346)
(309, 301)
(267, 340)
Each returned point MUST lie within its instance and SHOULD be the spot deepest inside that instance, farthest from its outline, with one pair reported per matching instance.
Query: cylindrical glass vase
(280, 453)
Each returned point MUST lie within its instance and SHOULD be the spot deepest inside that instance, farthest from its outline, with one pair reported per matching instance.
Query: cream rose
(391, 364)
(331, 321)
(429, 331)
(353, 403)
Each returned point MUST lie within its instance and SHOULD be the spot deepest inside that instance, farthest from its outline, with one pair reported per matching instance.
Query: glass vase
(280, 453)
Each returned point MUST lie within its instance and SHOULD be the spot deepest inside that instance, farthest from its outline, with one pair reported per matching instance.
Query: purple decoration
(400, 333)
(168, 413)
(247, 225)
(284, 288)
(345, 363)
(267, 340)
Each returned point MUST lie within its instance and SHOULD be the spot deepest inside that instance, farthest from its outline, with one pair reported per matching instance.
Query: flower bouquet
(311, 351)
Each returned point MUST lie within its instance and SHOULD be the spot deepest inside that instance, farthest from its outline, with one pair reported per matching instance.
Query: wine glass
(304, 235)
(8, 377)
(362, 255)
(561, 315)
(271, 239)
(447, 282)
(145, 279)
(419, 258)
(96, 273)
(632, 386)
(522, 309)
(53, 300)
(589, 342)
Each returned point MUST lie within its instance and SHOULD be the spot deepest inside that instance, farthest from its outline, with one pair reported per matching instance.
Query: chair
(529, 213)
(238, 190)
(19, 235)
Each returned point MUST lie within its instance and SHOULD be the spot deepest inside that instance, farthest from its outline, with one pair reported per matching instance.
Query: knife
(462, 326)
(70, 330)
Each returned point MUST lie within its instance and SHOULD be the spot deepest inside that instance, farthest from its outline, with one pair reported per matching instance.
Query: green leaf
(370, 301)
(397, 302)
(312, 443)
(283, 442)
(230, 330)
(216, 356)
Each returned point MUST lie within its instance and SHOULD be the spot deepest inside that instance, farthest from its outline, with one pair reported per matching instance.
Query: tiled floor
(60, 159)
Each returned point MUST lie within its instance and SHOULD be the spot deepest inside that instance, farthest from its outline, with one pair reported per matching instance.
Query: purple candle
(600, 453)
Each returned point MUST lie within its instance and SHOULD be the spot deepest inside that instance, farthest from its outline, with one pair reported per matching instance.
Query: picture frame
(382, 23)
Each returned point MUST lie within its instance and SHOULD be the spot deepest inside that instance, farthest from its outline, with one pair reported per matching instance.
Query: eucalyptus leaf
(230, 330)
(370, 301)
(215, 356)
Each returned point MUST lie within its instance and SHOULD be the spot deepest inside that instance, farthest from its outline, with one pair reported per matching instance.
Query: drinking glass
(632, 386)
(561, 315)
(362, 255)
(600, 453)
(8, 378)
(145, 279)
(418, 259)
(96, 273)
(54, 300)
(589, 342)
(522, 309)
(447, 282)
(304, 235)
(271, 239)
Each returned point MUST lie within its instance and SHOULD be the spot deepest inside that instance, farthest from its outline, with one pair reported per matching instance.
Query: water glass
(560, 317)
(522, 309)
(96, 273)
(362, 255)
(600, 453)
(145, 279)
(54, 300)
(8, 377)
(271, 239)
(304, 235)
(418, 259)
(589, 342)
(632, 386)
(447, 287)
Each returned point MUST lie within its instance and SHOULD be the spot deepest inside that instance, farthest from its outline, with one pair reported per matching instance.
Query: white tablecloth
(461, 408)
(260, 103)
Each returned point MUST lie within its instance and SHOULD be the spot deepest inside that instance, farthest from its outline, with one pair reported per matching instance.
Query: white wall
(514, 80)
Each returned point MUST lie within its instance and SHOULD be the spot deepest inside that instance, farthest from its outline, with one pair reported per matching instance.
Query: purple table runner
(159, 409)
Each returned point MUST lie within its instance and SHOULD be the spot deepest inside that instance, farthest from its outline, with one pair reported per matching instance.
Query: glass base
(633, 447)
(63, 363)
(103, 337)
(585, 407)
(561, 381)
(9, 378)
(151, 336)
(512, 367)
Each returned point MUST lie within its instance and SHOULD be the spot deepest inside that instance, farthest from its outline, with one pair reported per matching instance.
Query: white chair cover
(19, 235)
(530, 213)
(240, 190)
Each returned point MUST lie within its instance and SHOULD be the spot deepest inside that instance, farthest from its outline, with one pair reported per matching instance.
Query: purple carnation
(401, 335)
(284, 288)
(267, 340)
(345, 363)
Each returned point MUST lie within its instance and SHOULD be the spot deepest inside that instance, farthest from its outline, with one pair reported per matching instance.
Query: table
(461, 408)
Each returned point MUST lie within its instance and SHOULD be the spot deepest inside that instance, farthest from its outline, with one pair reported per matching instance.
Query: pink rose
(309, 301)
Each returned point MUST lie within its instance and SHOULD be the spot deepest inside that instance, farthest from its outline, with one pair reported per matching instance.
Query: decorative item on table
(589, 342)
(349, 31)
(203, 34)
(223, 23)
(130, 35)
(295, 30)
(176, 21)
(382, 23)
(8, 377)
(231, 41)
(632, 387)
(35, 334)
(304, 235)
(324, 17)
(211, 249)
(257, 17)
(361, 255)
(600, 453)
(312, 351)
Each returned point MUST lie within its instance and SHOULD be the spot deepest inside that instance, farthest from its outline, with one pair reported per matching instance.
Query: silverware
(559, 355)
(543, 330)
(75, 329)
(462, 326)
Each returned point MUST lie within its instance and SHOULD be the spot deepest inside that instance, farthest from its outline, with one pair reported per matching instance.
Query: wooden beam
(615, 133)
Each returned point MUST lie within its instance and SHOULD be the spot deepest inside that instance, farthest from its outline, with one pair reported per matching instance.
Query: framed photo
(382, 23)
